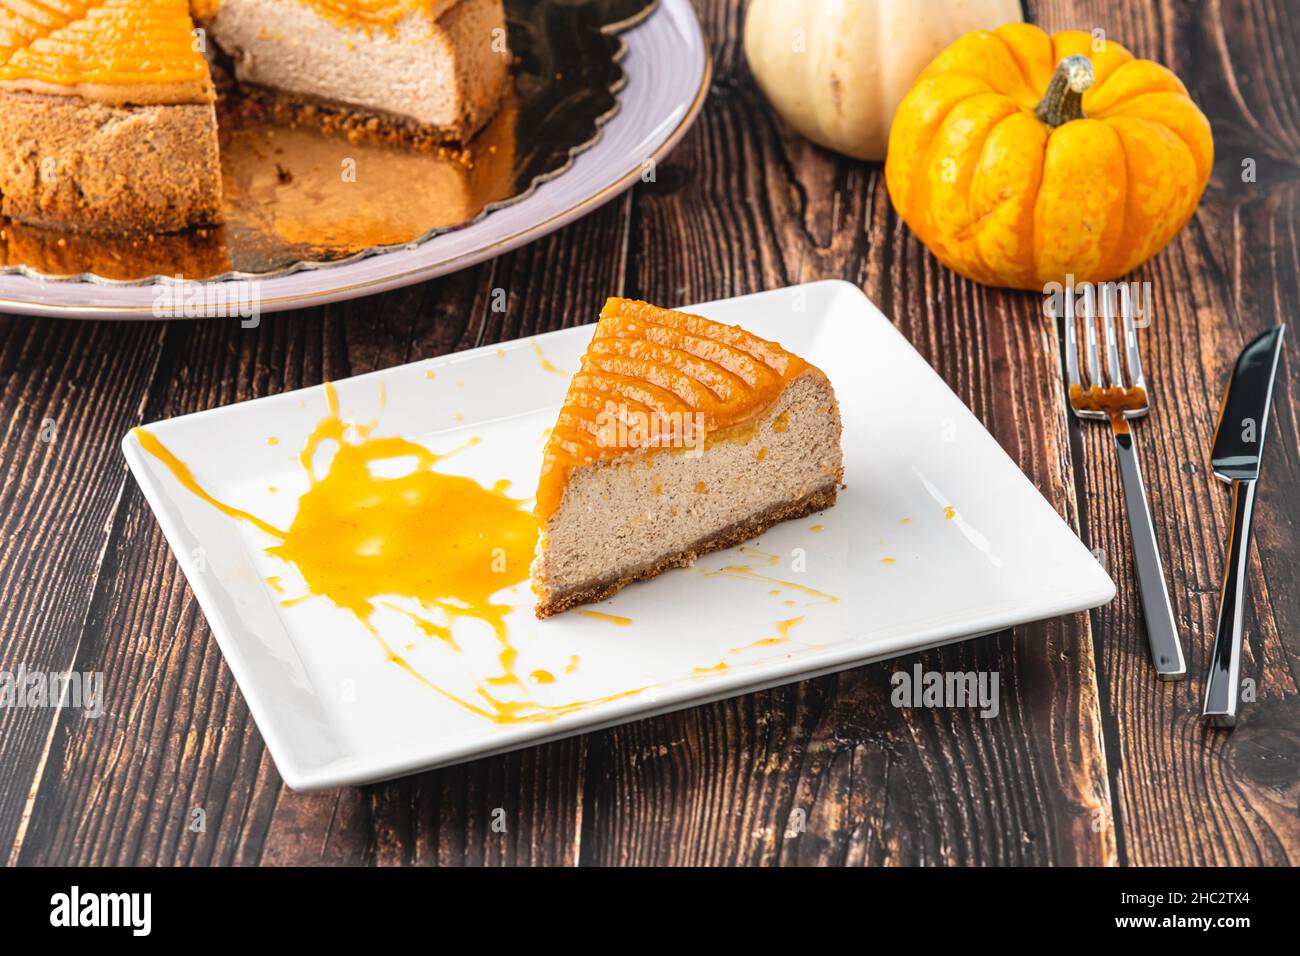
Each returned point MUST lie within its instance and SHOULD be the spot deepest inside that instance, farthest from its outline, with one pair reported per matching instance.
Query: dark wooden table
(1091, 760)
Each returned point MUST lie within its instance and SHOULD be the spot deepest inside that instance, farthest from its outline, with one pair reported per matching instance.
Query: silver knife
(1238, 440)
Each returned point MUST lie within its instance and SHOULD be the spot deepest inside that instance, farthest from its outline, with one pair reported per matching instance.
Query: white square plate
(937, 537)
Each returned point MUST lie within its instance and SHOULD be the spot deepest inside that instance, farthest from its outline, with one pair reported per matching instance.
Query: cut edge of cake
(434, 74)
(631, 516)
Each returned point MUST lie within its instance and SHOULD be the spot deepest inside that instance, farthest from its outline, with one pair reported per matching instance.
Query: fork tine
(1135, 376)
(1071, 339)
(1112, 340)
(1095, 372)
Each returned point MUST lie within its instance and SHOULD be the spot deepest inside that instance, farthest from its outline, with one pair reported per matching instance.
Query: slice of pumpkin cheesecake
(107, 122)
(678, 436)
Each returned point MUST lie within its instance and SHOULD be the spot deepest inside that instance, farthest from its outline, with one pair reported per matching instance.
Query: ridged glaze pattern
(653, 362)
(104, 42)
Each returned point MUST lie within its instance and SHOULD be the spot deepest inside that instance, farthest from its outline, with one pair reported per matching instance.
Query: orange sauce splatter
(545, 363)
(601, 616)
(429, 628)
(771, 560)
(442, 541)
(745, 573)
(783, 629)
(181, 472)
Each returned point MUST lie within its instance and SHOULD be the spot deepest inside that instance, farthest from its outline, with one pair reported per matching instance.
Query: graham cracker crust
(355, 124)
(729, 537)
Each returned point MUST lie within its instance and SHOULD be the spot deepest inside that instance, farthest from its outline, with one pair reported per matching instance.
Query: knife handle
(1162, 634)
(1225, 661)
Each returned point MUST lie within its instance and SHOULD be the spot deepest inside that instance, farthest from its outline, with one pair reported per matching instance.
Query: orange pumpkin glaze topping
(368, 14)
(99, 43)
(649, 376)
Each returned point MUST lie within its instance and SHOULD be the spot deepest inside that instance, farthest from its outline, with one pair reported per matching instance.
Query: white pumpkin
(837, 69)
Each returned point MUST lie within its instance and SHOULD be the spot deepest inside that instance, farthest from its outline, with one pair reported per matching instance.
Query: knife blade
(1243, 415)
(1235, 458)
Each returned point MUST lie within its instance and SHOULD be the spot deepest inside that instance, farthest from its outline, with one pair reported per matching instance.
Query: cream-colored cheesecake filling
(424, 70)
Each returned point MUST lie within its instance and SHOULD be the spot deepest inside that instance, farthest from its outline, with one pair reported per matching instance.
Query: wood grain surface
(1091, 761)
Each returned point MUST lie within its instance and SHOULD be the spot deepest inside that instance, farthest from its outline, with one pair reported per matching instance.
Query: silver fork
(1105, 393)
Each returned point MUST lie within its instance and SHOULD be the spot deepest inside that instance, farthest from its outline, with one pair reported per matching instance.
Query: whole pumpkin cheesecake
(678, 436)
(107, 115)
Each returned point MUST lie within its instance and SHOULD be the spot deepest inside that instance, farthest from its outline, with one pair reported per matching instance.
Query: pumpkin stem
(1063, 100)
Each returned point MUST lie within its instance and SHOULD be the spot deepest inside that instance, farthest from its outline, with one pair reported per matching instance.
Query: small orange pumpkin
(1020, 158)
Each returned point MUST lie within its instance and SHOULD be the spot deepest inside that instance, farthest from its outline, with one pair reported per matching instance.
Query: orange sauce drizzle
(601, 616)
(749, 550)
(546, 364)
(746, 573)
(783, 629)
(1113, 401)
(443, 541)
